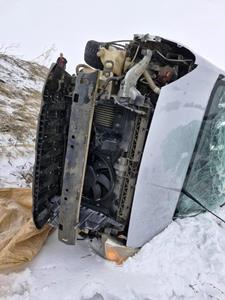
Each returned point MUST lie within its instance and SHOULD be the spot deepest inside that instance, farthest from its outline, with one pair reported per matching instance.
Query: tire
(90, 55)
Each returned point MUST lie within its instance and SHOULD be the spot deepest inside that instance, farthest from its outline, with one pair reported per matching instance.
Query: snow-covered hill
(20, 96)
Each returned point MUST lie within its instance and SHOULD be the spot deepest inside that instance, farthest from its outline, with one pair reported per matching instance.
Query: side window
(205, 179)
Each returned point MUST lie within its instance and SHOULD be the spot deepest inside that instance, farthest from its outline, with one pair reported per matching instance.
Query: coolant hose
(132, 76)
(151, 83)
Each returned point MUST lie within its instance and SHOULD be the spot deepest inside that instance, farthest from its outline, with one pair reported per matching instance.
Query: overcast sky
(37, 25)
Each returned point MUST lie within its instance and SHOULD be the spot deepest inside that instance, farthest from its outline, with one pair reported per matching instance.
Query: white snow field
(185, 261)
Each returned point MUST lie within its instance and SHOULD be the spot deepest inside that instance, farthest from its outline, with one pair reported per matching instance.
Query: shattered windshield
(206, 176)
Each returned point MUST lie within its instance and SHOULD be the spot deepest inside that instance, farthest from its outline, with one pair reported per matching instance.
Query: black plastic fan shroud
(99, 179)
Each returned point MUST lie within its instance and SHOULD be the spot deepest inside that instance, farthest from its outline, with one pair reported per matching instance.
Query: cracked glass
(205, 179)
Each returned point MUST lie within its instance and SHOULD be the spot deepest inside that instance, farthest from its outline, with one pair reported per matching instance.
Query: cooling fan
(99, 179)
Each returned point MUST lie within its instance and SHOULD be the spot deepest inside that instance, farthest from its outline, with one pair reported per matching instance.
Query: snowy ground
(18, 161)
(186, 261)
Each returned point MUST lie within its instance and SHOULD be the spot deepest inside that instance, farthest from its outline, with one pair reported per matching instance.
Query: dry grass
(19, 107)
(23, 121)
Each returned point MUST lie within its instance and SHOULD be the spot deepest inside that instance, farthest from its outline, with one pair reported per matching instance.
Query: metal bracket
(76, 157)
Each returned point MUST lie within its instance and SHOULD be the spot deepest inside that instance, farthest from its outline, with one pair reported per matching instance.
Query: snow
(185, 261)
(16, 285)
(18, 161)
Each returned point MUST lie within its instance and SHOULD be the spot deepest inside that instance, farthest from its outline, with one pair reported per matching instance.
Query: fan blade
(104, 181)
(90, 179)
(96, 189)
(91, 174)
(99, 165)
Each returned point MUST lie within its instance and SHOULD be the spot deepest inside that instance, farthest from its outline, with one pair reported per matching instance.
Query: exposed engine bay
(92, 132)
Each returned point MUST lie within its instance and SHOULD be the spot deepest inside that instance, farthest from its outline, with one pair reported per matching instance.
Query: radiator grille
(105, 114)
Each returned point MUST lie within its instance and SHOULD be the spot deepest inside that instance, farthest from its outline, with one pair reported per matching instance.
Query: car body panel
(168, 151)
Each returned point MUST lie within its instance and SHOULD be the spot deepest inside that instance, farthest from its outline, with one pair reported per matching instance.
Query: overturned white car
(127, 143)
